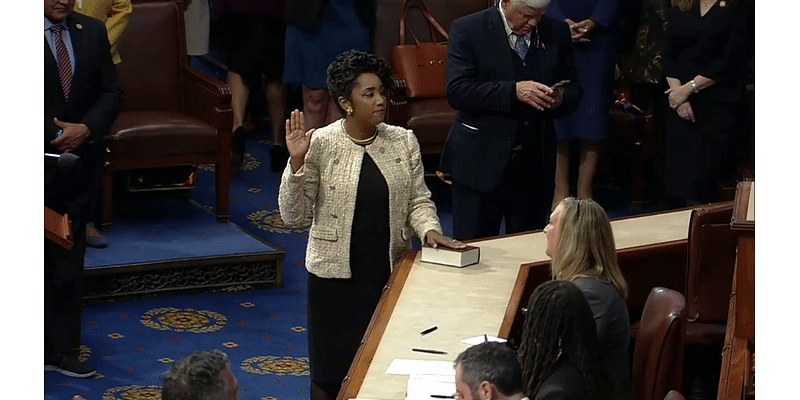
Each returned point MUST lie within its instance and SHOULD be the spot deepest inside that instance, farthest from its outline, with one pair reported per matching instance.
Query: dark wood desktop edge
(380, 318)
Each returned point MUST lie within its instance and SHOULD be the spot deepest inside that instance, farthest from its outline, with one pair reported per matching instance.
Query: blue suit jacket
(481, 86)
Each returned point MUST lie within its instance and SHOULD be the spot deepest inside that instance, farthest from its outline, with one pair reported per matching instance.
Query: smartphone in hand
(559, 84)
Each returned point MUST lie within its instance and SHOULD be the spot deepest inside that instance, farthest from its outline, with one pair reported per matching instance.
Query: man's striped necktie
(64, 64)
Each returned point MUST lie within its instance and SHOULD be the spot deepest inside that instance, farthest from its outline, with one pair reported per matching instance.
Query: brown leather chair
(429, 118)
(658, 353)
(709, 274)
(172, 114)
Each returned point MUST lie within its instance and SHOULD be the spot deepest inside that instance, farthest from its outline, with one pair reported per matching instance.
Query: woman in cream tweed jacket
(326, 185)
(362, 183)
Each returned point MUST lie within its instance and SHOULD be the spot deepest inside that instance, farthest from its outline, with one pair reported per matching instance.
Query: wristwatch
(694, 86)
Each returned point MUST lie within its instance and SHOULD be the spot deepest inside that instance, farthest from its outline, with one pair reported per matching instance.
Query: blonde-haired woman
(581, 245)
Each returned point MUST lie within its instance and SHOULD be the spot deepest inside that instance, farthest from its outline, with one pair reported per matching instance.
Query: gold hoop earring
(349, 111)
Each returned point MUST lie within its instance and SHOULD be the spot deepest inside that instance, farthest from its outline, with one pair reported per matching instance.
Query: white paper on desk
(401, 366)
(422, 386)
(480, 339)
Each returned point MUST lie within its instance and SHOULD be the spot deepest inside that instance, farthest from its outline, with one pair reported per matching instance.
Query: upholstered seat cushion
(430, 120)
(161, 133)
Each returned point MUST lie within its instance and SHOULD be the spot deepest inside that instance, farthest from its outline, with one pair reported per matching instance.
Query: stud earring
(349, 110)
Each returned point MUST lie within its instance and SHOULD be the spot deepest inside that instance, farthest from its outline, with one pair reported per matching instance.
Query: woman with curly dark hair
(363, 183)
(559, 349)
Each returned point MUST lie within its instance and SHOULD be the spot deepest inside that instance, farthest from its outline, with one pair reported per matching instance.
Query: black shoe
(237, 146)
(277, 158)
(69, 365)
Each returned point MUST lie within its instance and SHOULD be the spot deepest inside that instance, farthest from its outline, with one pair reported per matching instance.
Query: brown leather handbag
(421, 65)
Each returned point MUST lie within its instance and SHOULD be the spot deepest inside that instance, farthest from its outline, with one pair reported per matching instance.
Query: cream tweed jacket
(326, 186)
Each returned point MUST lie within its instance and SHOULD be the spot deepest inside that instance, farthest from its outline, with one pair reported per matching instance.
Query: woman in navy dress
(317, 31)
(592, 26)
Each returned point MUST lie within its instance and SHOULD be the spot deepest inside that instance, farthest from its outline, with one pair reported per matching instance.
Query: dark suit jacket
(565, 383)
(481, 86)
(94, 97)
(613, 331)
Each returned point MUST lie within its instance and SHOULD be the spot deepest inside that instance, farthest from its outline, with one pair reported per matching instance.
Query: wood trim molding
(739, 219)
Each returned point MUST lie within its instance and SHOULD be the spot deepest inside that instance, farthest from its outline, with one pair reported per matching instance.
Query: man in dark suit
(501, 64)
(81, 100)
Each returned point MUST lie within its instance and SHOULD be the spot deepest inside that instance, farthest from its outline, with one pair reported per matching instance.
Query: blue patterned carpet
(133, 343)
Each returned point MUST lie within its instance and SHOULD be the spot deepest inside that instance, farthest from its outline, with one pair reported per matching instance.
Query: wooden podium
(740, 339)
(58, 228)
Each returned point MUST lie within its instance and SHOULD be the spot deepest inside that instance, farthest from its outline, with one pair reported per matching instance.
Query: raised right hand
(297, 139)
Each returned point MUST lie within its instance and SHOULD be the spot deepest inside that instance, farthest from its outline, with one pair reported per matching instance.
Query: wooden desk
(740, 339)
(464, 302)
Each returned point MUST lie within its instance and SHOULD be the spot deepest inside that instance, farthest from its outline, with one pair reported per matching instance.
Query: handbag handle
(432, 22)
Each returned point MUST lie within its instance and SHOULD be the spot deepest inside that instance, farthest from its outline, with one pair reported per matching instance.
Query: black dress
(717, 45)
(339, 310)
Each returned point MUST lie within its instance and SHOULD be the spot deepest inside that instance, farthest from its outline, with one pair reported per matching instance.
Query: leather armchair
(172, 114)
(658, 353)
(709, 274)
(429, 118)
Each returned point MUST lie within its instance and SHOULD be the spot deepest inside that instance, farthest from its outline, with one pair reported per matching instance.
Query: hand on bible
(434, 239)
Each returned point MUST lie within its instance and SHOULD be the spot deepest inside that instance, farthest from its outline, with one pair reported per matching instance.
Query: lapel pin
(78, 26)
(723, 3)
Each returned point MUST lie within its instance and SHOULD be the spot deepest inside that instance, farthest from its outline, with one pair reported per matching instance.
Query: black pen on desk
(429, 330)
(441, 396)
(429, 351)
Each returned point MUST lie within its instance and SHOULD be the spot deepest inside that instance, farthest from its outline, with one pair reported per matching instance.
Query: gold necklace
(361, 142)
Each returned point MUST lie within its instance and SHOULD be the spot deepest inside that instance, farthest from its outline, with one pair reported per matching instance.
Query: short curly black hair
(348, 66)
